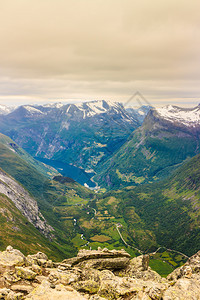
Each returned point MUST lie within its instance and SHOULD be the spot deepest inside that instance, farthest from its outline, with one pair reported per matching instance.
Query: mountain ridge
(187, 116)
(81, 134)
(150, 152)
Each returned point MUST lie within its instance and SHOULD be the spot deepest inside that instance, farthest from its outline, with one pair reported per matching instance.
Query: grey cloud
(91, 49)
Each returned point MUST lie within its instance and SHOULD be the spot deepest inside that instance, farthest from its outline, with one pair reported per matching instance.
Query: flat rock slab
(22, 288)
(105, 263)
(101, 258)
(45, 292)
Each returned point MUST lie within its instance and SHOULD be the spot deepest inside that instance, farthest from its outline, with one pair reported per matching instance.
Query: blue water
(70, 171)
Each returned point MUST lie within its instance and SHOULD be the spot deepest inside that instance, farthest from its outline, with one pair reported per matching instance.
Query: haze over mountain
(4, 110)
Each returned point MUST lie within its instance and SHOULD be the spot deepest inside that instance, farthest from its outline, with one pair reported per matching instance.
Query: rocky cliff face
(115, 276)
(24, 202)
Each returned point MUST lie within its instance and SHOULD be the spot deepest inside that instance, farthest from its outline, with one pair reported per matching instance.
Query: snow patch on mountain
(92, 108)
(4, 110)
(187, 117)
(54, 105)
(32, 110)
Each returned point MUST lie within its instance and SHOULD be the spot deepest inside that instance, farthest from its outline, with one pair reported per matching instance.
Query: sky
(78, 50)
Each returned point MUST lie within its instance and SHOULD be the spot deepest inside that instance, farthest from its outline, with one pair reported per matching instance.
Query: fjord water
(71, 171)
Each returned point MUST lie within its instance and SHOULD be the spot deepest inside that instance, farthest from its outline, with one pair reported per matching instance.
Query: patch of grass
(100, 238)
(161, 267)
(77, 241)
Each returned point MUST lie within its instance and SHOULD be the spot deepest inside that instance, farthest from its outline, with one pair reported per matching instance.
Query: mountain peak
(54, 105)
(95, 107)
(4, 110)
(32, 110)
(186, 116)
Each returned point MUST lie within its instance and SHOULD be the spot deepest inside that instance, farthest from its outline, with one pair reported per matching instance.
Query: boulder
(184, 288)
(25, 289)
(4, 293)
(192, 266)
(138, 268)
(91, 274)
(106, 263)
(37, 269)
(11, 277)
(102, 259)
(114, 287)
(40, 259)
(87, 286)
(185, 281)
(10, 295)
(46, 292)
(11, 258)
(65, 277)
(25, 273)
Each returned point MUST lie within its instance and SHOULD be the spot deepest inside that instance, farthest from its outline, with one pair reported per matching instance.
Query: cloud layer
(95, 49)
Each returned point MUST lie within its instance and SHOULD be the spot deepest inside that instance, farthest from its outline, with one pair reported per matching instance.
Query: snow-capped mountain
(167, 137)
(189, 117)
(54, 105)
(74, 111)
(4, 110)
(97, 108)
(82, 134)
(25, 112)
(32, 110)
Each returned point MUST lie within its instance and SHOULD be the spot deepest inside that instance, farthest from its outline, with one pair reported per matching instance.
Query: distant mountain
(139, 113)
(54, 105)
(168, 137)
(81, 134)
(4, 110)
(180, 116)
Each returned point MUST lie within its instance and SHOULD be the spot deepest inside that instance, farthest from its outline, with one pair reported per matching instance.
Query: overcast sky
(61, 50)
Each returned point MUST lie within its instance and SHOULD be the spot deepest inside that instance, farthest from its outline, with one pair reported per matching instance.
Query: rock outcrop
(94, 275)
(101, 259)
(24, 202)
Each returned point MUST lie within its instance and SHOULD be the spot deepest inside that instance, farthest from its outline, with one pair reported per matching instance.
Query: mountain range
(123, 146)
(81, 134)
(4, 110)
(65, 216)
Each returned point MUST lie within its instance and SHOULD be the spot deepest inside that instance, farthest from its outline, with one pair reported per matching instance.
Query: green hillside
(169, 211)
(154, 151)
(40, 167)
(55, 199)
(15, 230)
